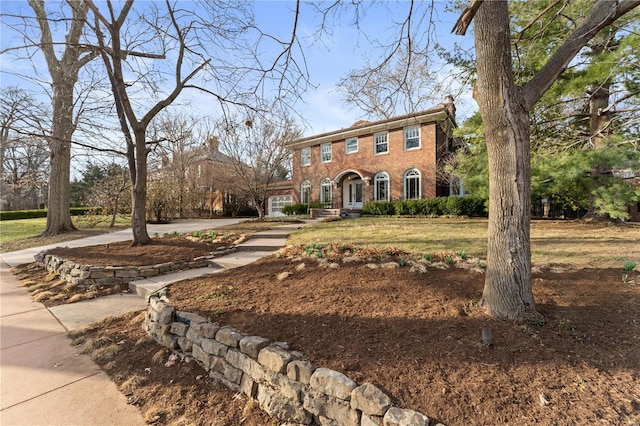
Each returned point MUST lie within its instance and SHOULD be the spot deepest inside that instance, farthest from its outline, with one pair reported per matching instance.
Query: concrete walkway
(43, 379)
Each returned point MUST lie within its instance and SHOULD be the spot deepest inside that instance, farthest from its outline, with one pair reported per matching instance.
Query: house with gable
(387, 160)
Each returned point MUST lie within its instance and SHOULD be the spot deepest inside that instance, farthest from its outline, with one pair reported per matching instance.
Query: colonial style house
(393, 159)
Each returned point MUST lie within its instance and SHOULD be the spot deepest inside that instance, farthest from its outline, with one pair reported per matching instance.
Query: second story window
(380, 143)
(325, 152)
(351, 145)
(305, 156)
(412, 137)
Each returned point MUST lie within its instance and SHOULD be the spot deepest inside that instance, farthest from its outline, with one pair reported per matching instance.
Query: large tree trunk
(139, 190)
(507, 292)
(59, 214)
(598, 121)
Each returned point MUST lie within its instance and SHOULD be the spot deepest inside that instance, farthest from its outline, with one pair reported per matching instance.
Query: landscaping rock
(229, 336)
(399, 417)
(275, 358)
(332, 383)
(370, 400)
(300, 371)
(251, 345)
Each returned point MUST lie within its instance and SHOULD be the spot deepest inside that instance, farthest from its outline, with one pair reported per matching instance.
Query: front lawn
(552, 241)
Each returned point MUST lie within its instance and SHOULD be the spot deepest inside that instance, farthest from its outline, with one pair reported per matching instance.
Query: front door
(353, 194)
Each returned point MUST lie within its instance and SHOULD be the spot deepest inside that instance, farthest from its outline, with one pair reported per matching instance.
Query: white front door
(353, 194)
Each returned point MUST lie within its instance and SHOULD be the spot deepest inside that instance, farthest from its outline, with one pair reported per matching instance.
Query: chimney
(213, 143)
(448, 103)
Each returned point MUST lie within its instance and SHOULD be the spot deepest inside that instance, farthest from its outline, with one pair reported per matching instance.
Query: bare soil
(417, 336)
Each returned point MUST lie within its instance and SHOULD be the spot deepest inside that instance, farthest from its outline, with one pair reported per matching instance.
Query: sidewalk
(43, 380)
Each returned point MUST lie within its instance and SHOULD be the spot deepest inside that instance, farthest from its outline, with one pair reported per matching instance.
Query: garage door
(277, 202)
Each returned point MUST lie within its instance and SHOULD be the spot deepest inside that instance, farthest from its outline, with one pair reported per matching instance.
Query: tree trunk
(139, 190)
(507, 291)
(59, 214)
(598, 120)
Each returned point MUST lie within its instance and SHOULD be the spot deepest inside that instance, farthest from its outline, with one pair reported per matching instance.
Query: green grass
(23, 233)
(567, 242)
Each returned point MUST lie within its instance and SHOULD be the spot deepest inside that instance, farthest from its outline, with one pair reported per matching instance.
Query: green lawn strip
(565, 242)
(23, 233)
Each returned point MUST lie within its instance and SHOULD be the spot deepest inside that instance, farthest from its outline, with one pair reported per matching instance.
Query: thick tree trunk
(139, 190)
(507, 292)
(59, 214)
(598, 120)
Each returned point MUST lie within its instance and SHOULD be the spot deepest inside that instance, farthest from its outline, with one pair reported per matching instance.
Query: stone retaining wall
(87, 275)
(285, 385)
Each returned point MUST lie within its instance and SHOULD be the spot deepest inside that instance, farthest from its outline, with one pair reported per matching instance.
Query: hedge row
(439, 206)
(32, 214)
(301, 209)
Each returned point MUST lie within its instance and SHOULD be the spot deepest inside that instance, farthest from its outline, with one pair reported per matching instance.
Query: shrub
(379, 208)
(32, 214)
(452, 206)
(299, 209)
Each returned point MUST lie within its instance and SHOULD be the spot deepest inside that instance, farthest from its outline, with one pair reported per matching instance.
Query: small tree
(182, 144)
(257, 153)
(213, 47)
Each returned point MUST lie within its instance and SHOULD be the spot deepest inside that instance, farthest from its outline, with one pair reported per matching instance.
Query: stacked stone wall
(87, 275)
(286, 385)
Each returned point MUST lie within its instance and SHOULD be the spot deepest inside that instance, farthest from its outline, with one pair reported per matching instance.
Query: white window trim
(406, 187)
(302, 156)
(326, 182)
(404, 133)
(375, 143)
(304, 185)
(346, 146)
(376, 180)
(322, 160)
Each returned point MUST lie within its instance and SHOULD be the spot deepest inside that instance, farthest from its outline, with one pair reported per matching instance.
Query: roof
(215, 155)
(363, 127)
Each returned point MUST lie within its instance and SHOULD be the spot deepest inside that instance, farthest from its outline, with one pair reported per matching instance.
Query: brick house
(392, 159)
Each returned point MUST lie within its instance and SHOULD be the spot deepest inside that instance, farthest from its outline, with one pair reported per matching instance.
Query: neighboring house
(393, 159)
(217, 177)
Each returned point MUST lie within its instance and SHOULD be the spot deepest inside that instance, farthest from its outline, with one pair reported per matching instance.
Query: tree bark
(507, 292)
(139, 190)
(64, 75)
(59, 213)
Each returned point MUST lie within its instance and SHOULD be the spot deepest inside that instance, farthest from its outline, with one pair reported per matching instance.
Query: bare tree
(257, 153)
(208, 50)
(505, 108)
(25, 174)
(183, 143)
(393, 88)
(64, 70)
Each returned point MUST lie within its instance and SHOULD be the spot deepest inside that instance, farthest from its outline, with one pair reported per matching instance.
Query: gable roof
(363, 127)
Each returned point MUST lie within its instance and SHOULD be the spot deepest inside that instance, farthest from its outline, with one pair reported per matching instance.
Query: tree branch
(604, 13)
(463, 22)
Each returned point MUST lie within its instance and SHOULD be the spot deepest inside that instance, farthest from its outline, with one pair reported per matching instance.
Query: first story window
(412, 185)
(412, 137)
(351, 145)
(381, 187)
(305, 192)
(455, 187)
(305, 156)
(380, 143)
(325, 152)
(325, 191)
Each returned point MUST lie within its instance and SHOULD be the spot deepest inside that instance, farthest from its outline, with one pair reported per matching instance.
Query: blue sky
(328, 60)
